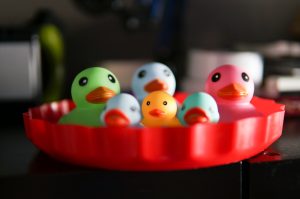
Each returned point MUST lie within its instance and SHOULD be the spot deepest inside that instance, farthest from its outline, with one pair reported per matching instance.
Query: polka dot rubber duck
(121, 110)
(159, 109)
(152, 77)
(91, 89)
(199, 107)
(233, 89)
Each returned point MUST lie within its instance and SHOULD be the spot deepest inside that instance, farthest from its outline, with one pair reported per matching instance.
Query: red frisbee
(148, 148)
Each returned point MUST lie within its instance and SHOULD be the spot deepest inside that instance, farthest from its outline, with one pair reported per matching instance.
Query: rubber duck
(90, 90)
(233, 89)
(152, 77)
(159, 109)
(199, 107)
(121, 110)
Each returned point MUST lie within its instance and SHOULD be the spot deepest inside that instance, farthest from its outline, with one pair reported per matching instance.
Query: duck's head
(229, 84)
(121, 110)
(199, 107)
(159, 105)
(93, 87)
(152, 77)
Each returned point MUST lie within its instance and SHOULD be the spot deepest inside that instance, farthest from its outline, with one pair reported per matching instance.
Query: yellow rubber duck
(159, 109)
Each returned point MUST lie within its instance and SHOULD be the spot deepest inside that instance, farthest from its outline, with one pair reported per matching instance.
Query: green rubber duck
(91, 89)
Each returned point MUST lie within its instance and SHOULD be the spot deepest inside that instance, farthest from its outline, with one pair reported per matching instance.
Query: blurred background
(44, 43)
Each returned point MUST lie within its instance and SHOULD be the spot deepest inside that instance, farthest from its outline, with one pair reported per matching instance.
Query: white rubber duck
(153, 77)
(121, 110)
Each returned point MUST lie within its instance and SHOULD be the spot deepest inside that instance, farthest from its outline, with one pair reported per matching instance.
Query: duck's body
(91, 89)
(237, 111)
(159, 110)
(233, 89)
(161, 122)
(78, 116)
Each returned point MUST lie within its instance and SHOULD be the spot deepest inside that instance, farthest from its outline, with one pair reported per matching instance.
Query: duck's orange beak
(156, 85)
(233, 92)
(194, 116)
(157, 113)
(100, 95)
(116, 118)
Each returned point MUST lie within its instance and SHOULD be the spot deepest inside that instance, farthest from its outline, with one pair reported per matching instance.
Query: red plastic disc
(144, 148)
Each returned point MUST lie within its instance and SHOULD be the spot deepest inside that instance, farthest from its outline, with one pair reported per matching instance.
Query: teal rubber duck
(91, 89)
(199, 107)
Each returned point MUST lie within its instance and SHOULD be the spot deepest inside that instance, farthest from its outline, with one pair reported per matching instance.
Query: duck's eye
(216, 77)
(165, 103)
(167, 72)
(83, 81)
(133, 108)
(245, 77)
(111, 78)
(183, 107)
(142, 74)
(104, 108)
(148, 103)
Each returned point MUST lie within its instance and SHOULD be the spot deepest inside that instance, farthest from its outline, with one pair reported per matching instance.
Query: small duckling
(90, 91)
(199, 107)
(121, 110)
(152, 77)
(159, 109)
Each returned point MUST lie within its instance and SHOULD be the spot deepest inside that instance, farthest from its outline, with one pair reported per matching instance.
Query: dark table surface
(27, 172)
(276, 172)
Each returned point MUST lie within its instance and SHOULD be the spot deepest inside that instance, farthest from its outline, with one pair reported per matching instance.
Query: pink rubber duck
(233, 90)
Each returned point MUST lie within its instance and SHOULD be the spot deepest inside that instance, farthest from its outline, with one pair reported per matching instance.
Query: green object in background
(91, 89)
(52, 46)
